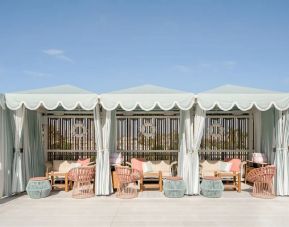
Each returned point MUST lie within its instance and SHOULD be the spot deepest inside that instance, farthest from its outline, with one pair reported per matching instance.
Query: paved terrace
(151, 208)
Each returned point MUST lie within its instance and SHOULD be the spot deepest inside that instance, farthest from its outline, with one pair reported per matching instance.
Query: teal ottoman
(174, 187)
(212, 187)
(38, 187)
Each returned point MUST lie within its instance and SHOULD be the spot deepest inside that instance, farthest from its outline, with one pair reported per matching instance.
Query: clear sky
(108, 45)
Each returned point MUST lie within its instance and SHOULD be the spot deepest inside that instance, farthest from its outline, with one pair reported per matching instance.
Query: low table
(174, 187)
(212, 187)
(54, 175)
(151, 181)
(38, 187)
(235, 176)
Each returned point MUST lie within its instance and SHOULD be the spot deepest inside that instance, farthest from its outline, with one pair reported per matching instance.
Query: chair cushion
(208, 167)
(163, 166)
(62, 166)
(147, 167)
(225, 166)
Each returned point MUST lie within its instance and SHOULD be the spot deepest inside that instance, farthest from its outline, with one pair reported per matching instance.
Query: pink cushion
(84, 162)
(137, 164)
(236, 164)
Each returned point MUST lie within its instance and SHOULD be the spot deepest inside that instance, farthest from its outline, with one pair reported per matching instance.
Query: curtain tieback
(17, 150)
(282, 149)
(103, 150)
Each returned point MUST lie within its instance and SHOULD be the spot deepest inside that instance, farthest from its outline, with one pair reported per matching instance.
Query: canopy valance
(67, 96)
(228, 96)
(147, 97)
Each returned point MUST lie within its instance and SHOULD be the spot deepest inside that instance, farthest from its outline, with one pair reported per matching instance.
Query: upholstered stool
(212, 187)
(174, 187)
(38, 187)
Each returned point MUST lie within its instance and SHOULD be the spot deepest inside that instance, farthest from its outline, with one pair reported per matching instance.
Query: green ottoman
(38, 187)
(174, 187)
(212, 187)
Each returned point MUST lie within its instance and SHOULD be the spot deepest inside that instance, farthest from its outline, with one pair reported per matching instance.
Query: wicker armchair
(127, 178)
(83, 177)
(263, 181)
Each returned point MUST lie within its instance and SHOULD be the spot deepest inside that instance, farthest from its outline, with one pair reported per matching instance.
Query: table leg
(141, 184)
(52, 181)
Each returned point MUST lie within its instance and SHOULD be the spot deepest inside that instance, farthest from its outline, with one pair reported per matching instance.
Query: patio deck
(151, 208)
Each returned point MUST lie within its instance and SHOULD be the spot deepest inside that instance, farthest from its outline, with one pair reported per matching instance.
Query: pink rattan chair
(263, 181)
(127, 178)
(83, 177)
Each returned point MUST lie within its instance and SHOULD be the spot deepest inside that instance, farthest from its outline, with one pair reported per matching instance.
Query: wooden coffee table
(53, 176)
(236, 176)
(151, 181)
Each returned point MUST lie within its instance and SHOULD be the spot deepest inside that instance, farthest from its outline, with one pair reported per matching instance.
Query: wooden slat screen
(232, 134)
(130, 138)
(62, 144)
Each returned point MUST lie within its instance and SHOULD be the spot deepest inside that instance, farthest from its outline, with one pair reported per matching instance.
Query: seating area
(139, 175)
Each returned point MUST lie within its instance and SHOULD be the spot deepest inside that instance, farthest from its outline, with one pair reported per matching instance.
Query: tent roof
(244, 98)
(147, 97)
(67, 96)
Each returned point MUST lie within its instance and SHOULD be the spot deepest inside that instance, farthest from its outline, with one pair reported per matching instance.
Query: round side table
(174, 187)
(38, 187)
(212, 187)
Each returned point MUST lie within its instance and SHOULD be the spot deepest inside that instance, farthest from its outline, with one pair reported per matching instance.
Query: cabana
(22, 121)
(145, 121)
(270, 117)
(157, 100)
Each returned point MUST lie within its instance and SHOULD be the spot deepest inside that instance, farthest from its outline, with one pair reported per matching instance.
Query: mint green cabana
(148, 98)
(27, 109)
(270, 110)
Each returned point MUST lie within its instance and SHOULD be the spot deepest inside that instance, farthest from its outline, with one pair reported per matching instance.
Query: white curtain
(6, 154)
(257, 130)
(33, 155)
(191, 132)
(281, 157)
(18, 178)
(267, 134)
(105, 144)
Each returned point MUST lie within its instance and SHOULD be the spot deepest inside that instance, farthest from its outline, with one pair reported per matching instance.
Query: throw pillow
(236, 164)
(147, 167)
(225, 166)
(84, 162)
(75, 165)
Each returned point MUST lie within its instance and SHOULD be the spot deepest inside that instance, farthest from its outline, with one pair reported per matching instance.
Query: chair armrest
(129, 164)
(91, 164)
(173, 163)
(48, 167)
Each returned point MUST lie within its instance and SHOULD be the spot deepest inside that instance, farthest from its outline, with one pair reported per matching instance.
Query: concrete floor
(151, 208)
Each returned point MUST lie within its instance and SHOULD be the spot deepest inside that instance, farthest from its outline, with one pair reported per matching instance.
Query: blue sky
(108, 45)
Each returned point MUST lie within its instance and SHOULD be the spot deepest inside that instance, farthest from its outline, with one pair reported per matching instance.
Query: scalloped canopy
(147, 97)
(67, 96)
(244, 98)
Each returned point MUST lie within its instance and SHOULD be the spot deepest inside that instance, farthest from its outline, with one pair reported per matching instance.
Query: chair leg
(161, 181)
(66, 182)
(239, 182)
(141, 184)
